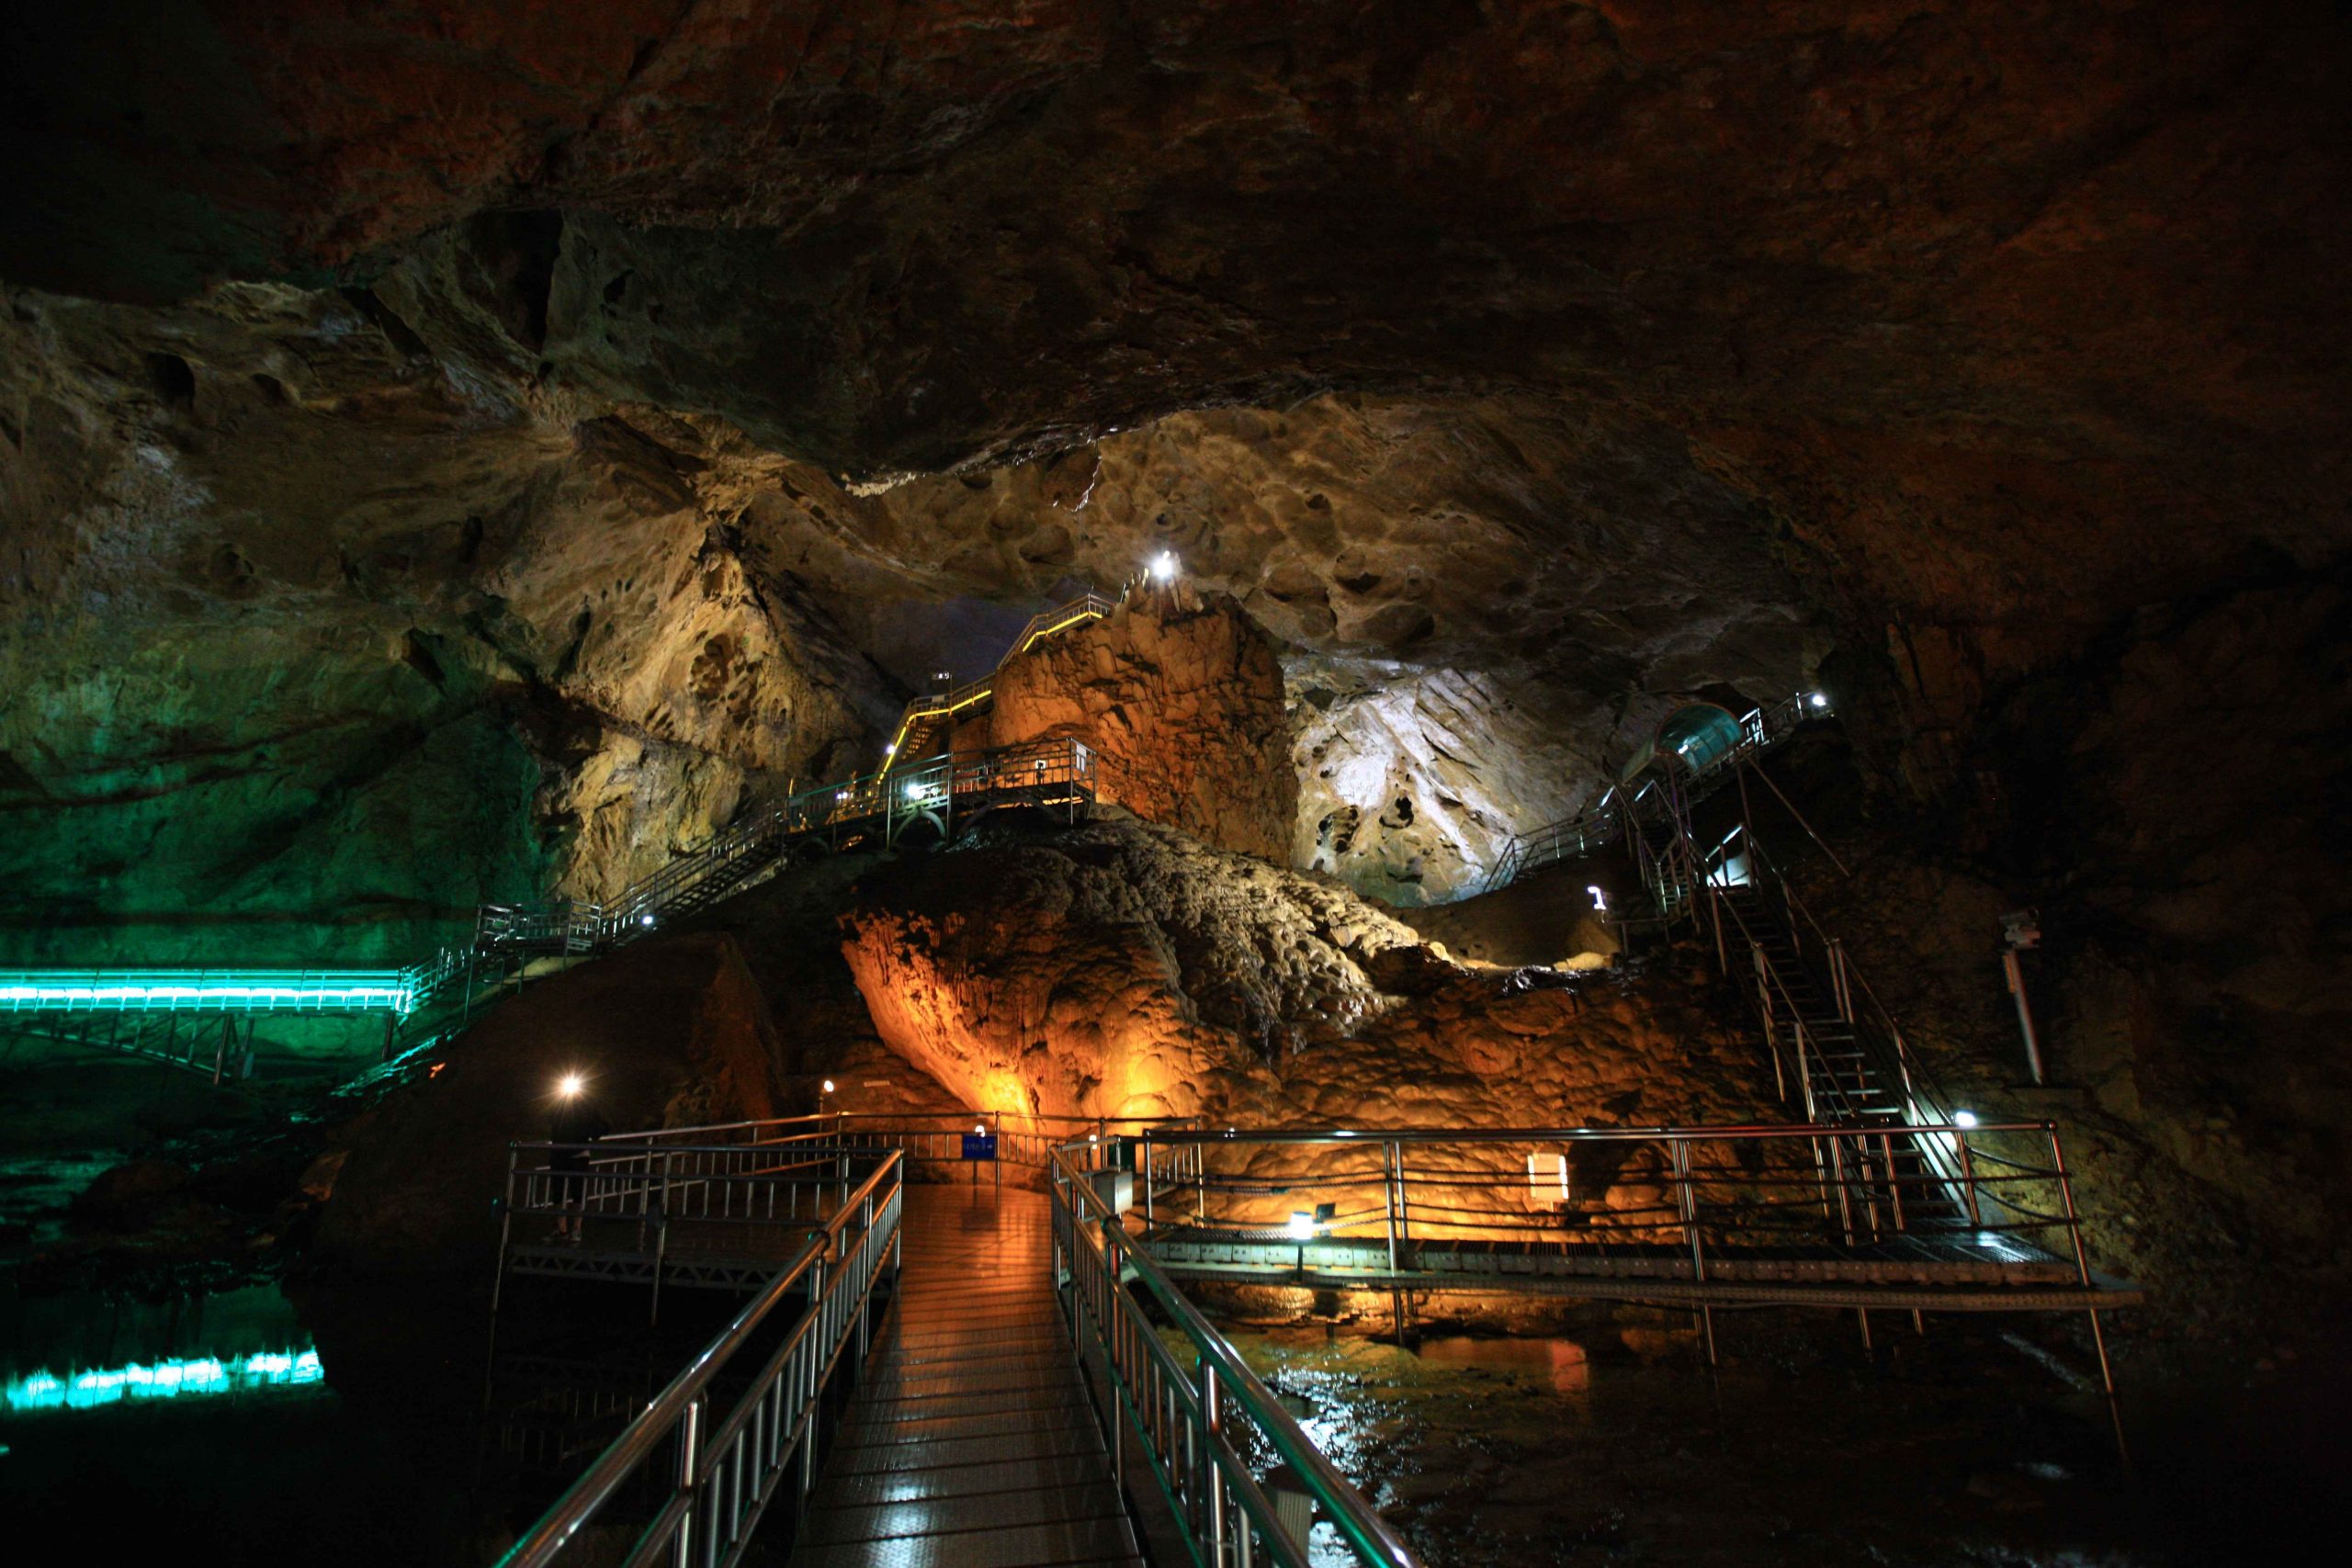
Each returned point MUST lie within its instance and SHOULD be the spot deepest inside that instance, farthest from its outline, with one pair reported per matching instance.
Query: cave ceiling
(1537, 358)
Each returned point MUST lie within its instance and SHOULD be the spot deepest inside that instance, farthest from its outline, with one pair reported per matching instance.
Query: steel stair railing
(1599, 825)
(924, 713)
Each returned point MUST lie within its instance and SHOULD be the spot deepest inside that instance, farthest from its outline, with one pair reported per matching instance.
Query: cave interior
(1368, 568)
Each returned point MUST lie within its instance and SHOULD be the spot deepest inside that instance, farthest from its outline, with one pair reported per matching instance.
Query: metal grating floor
(970, 1444)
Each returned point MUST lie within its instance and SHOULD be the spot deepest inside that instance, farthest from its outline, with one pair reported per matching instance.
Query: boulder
(1123, 968)
(1180, 695)
(669, 1032)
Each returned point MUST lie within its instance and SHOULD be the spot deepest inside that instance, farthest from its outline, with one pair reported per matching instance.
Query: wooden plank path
(970, 1443)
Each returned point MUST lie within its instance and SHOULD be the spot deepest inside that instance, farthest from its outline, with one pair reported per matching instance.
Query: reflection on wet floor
(1612, 1442)
(1561, 1361)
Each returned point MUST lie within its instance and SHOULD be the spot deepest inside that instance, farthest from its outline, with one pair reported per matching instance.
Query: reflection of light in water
(192, 1378)
(1561, 1362)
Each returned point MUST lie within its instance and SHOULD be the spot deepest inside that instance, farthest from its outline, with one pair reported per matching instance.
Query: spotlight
(828, 1086)
(980, 1127)
(1301, 1226)
(645, 919)
(1599, 899)
(914, 792)
(569, 1086)
(1820, 701)
(1163, 566)
(1963, 1119)
(891, 750)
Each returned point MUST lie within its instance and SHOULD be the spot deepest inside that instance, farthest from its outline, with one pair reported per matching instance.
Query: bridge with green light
(202, 1019)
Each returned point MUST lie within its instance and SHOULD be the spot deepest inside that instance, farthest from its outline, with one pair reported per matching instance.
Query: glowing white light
(980, 1127)
(1820, 701)
(645, 919)
(828, 1086)
(569, 1085)
(914, 792)
(1599, 899)
(1963, 1119)
(1302, 1225)
(842, 796)
(891, 750)
(1163, 566)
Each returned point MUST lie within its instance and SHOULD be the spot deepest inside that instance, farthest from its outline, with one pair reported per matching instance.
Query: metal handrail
(1087, 606)
(1597, 826)
(1055, 771)
(212, 990)
(1180, 1415)
(775, 1422)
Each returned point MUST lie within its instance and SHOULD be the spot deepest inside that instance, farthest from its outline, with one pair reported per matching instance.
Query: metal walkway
(970, 1443)
(928, 716)
(201, 1019)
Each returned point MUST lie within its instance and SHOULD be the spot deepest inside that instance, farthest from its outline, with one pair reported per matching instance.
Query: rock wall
(1180, 695)
(1412, 781)
(311, 645)
(671, 1031)
(1125, 969)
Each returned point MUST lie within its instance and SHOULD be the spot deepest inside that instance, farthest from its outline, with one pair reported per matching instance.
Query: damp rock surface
(1125, 969)
(1179, 697)
(671, 1031)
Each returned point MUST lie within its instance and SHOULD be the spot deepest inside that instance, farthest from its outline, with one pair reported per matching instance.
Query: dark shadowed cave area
(1582, 595)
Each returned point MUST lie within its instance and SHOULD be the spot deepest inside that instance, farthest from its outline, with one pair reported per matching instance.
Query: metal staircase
(929, 719)
(1839, 1057)
(1657, 797)
(919, 803)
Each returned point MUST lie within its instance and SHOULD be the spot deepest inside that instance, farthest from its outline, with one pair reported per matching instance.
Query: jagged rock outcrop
(671, 1031)
(1125, 969)
(310, 647)
(1412, 781)
(1179, 693)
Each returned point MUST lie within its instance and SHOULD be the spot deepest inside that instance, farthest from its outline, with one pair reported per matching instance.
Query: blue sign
(979, 1145)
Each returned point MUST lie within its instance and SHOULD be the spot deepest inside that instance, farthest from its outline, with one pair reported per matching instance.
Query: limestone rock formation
(1178, 694)
(672, 1032)
(311, 647)
(1412, 781)
(1125, 969)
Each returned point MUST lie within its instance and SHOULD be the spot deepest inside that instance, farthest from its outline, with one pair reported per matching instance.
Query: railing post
(1679, 1156)
(1968, 1178)
(2083, 1270)
(689, 1483)
(660, 1235)
(1212, 1490)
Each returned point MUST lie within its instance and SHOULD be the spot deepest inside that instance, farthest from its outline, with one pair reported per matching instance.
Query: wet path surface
(969, 1442)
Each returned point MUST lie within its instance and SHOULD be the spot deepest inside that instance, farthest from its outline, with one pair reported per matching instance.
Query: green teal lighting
(194, 1378)
(210, 990)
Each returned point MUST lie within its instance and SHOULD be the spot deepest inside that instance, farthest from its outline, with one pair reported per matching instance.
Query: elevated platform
(1957, 1277)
